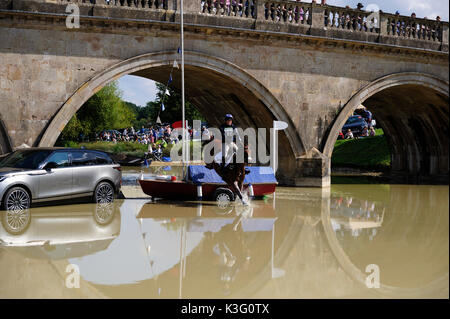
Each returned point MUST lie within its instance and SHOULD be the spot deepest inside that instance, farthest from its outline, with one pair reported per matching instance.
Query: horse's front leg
(237, 190)
(241, 184)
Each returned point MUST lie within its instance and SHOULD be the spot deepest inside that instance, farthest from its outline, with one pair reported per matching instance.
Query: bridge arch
(259, 110)
(5, 141)
(413, 110)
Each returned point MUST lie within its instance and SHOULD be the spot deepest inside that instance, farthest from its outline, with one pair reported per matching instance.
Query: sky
(140, 90)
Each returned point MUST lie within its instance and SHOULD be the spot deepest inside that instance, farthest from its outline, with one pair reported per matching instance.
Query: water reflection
(404, 232)
(301, 243)
(356, 217)
(60, 232)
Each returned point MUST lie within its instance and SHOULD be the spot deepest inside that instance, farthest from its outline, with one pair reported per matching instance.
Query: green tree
(172, 105)
(72, 129)
(105, 110)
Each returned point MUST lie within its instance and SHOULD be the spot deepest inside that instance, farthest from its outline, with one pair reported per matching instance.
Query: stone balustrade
(414, 28)
(288, 12)
(234, 8)
(294, 17)
(351, 19)
(144, 4)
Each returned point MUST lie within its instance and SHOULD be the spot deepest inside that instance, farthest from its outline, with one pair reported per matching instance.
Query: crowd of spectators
(239, 8)
(289, 13)
(157, 137)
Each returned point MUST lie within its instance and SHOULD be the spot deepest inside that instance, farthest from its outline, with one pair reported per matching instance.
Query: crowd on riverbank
(156, 137)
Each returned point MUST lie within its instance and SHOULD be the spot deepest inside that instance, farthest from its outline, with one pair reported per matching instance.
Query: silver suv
(35, 175)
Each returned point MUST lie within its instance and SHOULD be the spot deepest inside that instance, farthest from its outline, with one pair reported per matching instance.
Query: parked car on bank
(36, 175)
(355, 123)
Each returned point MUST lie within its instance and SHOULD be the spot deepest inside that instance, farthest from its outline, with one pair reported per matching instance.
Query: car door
(84, 172)
(56, 182)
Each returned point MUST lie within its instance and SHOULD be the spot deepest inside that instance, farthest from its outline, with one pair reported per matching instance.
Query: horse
(234, 173)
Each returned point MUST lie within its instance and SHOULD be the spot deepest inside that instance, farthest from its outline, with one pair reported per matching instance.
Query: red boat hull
(184, 190)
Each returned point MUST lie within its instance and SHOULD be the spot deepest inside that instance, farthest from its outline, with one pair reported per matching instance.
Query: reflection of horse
(234, 173)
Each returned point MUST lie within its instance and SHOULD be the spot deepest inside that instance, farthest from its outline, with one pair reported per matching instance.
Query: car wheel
(104, 193)
(223, 197)
(104, 213)
(17, 198)
(16, 222)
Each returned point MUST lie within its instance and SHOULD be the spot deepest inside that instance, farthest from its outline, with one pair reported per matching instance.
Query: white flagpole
(183, 149)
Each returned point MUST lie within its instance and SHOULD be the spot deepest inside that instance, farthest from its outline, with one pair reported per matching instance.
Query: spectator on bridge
(246, 7)
(233, 7)
(278, 13)
(413, 15)
(438, 18)
(284, 12)
(240, 7)
(359, 6)
(202, 6)
(323, 2)
(252, 8)
(227, 7)
(301, 14)
(349, 134)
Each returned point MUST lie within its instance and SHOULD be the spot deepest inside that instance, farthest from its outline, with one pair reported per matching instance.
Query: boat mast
(183, 119)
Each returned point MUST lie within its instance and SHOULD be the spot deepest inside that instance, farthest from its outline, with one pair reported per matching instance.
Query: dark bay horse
(234, 173)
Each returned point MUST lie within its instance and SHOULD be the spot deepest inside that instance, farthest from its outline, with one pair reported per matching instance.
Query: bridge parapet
(281, 16)
(288, 12)
(408, 27)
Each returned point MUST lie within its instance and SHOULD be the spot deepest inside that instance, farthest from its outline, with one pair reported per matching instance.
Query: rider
(230, 136)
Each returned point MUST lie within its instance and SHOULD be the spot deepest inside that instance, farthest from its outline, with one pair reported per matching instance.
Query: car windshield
(28, 159)
(352, 120)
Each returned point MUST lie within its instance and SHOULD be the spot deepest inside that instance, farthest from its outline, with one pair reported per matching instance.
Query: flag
(167, 92)
(170, 79)
(162, 106)
(175, 64)
(179, 50)
(158, 120)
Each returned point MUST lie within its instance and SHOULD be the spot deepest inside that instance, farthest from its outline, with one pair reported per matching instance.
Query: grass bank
(368, 153)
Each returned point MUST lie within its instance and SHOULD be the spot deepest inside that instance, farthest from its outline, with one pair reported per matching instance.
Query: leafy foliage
(105, 110)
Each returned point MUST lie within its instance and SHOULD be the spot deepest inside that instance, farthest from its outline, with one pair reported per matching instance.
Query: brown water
(300, 243)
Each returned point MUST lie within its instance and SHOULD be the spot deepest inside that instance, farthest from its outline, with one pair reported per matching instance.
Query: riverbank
(125, 149)
(368, 154)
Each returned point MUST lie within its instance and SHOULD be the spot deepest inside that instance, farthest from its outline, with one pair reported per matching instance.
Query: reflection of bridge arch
(403, 223)
(413, 110)
(227, 89)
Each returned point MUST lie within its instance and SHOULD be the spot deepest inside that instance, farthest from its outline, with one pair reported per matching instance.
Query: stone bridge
(302, 63)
